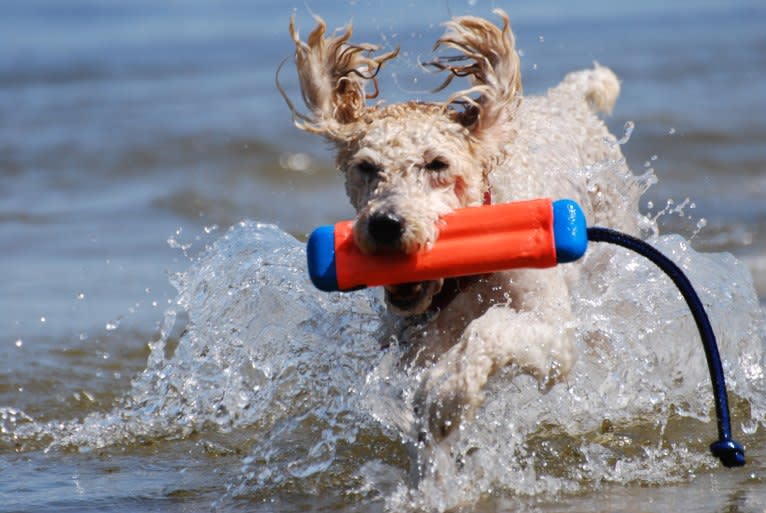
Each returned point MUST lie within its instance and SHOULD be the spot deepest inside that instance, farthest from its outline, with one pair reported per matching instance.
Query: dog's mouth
(413, 298)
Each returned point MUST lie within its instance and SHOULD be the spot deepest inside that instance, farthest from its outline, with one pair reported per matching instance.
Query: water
(162, 349)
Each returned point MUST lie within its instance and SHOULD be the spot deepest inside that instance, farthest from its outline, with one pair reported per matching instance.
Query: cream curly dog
(408, 164)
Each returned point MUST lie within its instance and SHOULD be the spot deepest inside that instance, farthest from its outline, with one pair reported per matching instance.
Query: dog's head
(408, 164)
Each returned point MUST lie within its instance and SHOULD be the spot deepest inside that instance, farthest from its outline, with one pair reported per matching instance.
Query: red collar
(488, 195)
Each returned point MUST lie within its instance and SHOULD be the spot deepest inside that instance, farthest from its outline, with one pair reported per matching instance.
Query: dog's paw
(445, 398)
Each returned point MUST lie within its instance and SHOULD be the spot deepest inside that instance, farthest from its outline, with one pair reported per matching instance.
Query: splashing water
(626, 134)
(297, 378)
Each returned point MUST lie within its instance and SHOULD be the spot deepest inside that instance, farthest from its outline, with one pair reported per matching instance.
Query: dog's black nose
(386, 228)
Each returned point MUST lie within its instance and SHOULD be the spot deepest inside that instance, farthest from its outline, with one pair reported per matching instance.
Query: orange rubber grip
(473, 240)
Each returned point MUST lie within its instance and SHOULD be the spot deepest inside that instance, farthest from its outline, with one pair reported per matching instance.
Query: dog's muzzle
(386, 230)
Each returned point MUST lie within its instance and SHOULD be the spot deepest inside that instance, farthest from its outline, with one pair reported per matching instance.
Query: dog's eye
(436, 164)
(367, 168)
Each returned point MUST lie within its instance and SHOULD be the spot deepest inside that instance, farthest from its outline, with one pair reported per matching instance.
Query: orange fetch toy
(476, 240)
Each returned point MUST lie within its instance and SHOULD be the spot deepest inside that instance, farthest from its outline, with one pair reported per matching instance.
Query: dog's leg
(534, 333)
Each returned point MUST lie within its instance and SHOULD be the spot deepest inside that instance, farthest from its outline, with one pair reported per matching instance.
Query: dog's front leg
(536, 337)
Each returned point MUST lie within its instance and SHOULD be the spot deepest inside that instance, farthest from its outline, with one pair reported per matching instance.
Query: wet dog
(407, 164)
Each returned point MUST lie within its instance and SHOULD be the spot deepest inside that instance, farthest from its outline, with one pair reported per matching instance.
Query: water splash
(637, 407)
(627, 132)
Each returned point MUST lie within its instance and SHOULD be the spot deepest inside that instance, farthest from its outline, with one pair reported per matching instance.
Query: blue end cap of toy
(320, 253)
(570, 231)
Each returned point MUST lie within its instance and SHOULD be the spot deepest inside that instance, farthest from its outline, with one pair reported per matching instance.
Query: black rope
(731, 453)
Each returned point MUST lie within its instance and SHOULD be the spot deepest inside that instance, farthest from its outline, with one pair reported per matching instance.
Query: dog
(408, 164)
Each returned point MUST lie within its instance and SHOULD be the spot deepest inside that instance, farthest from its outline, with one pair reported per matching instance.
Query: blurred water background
(133, 135)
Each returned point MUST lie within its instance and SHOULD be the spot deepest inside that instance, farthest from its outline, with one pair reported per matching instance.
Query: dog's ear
(488, 56)
(334, 76)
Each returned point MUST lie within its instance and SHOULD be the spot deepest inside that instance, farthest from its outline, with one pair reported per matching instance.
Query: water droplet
(112, 325)
(627, 132)
(81, 295)
(19, 343)
(541, 39)
(749, 426)
(43, 319)
(672, 131)
(702, 223)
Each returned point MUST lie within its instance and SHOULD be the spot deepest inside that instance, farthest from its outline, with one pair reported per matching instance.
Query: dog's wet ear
(488, 56)
(335, 78)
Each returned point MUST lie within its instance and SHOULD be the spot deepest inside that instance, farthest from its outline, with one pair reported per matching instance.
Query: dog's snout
(386, 228)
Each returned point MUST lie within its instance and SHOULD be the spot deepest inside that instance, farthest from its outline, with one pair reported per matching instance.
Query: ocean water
(162, 350)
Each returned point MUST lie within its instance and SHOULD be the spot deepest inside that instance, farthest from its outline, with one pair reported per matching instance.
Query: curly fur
(408, 164)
